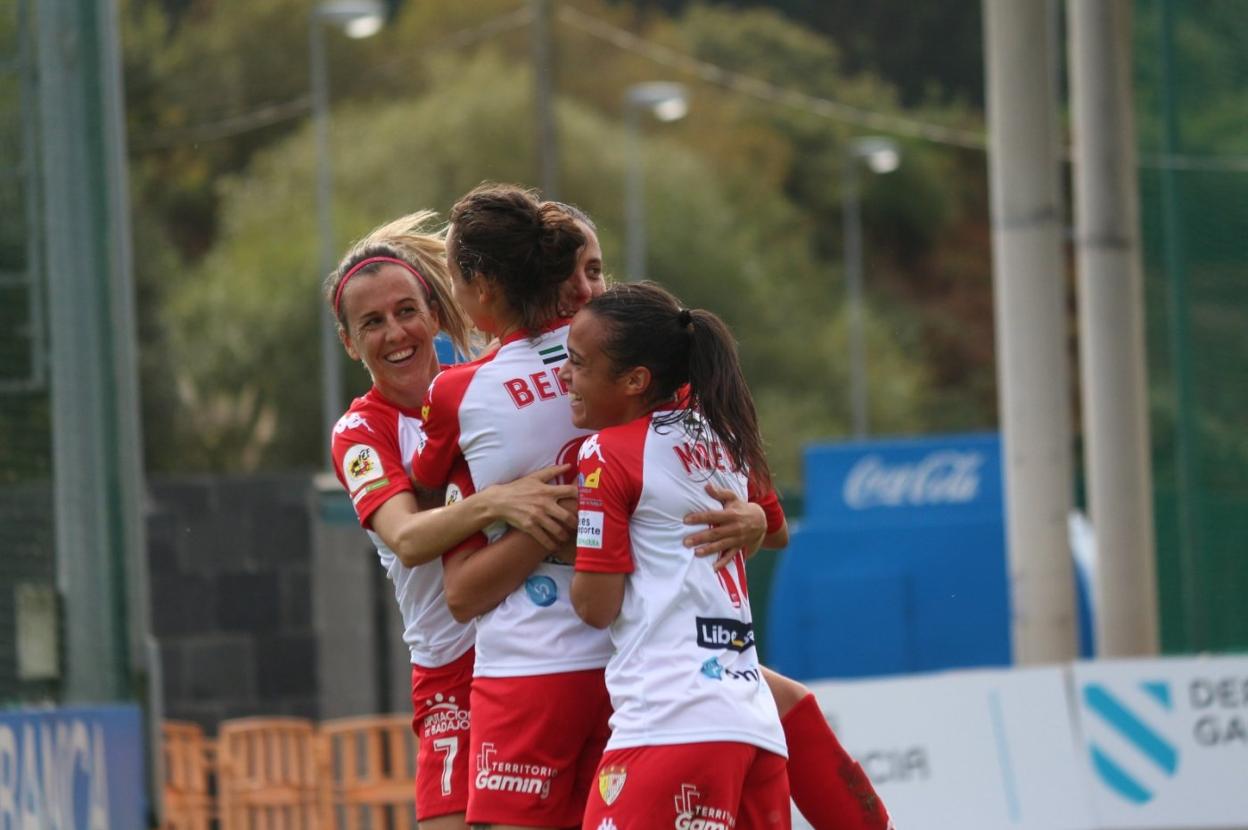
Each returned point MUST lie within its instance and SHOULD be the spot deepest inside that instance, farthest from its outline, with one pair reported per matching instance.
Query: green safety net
(1191, 75)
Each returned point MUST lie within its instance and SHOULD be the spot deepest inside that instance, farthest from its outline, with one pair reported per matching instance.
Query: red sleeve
(770, 503)
(610, 485)
(365, 449)
(458, 488)
(431, 466)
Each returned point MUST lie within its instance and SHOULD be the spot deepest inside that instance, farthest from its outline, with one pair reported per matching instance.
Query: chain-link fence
(1191, 71)
(26, 513)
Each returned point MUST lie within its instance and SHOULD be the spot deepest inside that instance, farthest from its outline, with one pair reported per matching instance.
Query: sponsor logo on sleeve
(360, 465)
(589, 529)
(591, 481)
(723, 633)
(453, 493)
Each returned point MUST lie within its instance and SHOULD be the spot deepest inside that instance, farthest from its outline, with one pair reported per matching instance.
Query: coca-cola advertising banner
(958, 474)
(897, 564)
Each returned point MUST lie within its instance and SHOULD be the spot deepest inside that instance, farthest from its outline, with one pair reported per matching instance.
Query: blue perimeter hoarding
(72, 769)
(898, 564)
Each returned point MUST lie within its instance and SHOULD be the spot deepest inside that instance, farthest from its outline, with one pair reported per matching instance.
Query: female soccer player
(830, 789)
(696, 738)
(390, 296)
(539, 703)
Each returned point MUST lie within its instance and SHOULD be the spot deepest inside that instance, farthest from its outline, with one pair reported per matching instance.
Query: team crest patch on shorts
(610, 783)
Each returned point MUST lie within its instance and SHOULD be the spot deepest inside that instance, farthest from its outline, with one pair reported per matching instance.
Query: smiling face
(390, 327)
(587, 281)
(600, 395)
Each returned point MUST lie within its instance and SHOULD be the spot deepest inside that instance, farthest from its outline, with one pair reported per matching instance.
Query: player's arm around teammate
(391, 296)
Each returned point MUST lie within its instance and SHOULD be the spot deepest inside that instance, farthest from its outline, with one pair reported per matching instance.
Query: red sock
(827, 785)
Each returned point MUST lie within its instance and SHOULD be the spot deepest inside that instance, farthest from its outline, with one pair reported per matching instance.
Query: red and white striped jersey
(371, 445)
(507, 415)
(685, 668)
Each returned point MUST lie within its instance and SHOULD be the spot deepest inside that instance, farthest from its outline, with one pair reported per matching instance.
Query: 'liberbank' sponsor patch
(589, 529)
(721, 633)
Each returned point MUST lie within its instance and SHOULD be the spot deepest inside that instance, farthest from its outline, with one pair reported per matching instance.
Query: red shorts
(441, 721)
(536, 742)
(712, 786)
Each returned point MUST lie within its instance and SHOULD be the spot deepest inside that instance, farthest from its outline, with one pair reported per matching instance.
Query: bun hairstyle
(418, 241)
(505, 234)
(645, 325)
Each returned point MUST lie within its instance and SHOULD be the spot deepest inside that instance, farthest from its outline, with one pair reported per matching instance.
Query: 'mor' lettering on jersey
(544, 386)
(702, 457)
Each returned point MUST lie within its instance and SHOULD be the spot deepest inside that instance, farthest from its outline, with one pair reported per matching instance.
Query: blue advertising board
(72, 769)
(898, 564)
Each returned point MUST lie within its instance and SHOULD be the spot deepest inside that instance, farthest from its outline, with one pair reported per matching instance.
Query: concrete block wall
(231, 594)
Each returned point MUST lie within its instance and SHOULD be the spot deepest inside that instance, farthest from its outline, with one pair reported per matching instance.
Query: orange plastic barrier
(268, 775)
(188, 769)
(370, 770)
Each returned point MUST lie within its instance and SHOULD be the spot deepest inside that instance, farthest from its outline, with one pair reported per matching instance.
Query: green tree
(243, 324)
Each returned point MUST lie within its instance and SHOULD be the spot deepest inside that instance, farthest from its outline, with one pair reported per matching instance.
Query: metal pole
(1111, 327)
(96, 469)
(1030, 319)
(543, 99)
(331, 371)
(851, 217)
(634, 209)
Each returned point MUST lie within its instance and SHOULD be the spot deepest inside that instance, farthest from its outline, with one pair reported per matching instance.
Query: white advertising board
(976, 750)
(1164, 743)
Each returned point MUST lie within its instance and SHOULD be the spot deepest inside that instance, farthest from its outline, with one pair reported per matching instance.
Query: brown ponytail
(646, 326)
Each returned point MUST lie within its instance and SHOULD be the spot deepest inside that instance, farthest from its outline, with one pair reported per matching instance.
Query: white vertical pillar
(1030, 312)
(1111, 327)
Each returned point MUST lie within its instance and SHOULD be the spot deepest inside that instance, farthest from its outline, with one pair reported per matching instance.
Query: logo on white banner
(1131, 750)
(943, 477)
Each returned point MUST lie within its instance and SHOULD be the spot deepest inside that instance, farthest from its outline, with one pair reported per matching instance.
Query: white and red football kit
(685, 670)
(371, 447)
(494, 420)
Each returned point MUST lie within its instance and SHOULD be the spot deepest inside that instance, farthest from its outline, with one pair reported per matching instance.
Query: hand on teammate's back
(534, 505)
(739, 526)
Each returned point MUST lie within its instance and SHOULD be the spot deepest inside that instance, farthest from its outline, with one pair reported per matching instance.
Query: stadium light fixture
(666, 101)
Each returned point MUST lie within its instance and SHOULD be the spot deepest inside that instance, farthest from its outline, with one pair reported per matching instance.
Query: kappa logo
(607, 824)
(444, 716)
(590, 449)
(1128, 744)
(611, 783)
(350, 421)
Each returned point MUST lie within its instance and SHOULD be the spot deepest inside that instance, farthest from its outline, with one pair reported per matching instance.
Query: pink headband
(359, 266)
